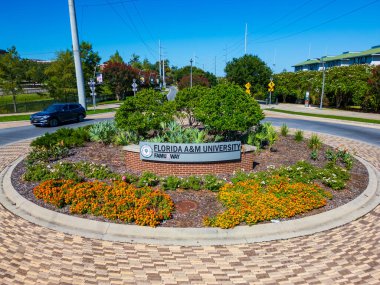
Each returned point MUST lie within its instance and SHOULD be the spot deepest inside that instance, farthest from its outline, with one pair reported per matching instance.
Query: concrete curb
(351, 211)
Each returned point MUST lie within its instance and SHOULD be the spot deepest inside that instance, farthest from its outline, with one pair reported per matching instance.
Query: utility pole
(159, 60)
(76, 52)
(215, 67)
(163, 72)
(323, 83)
(191, 73)
(245, 39)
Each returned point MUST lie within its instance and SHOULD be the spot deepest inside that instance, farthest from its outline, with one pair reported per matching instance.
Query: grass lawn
(22, 98)
(328, 116)
(12, 118)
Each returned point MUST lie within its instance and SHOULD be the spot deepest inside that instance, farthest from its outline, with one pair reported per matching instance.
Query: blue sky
(280, 32)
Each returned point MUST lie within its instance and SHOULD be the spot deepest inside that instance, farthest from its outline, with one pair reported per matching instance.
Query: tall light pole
(191, 73)
(76, 52)
(323, 83)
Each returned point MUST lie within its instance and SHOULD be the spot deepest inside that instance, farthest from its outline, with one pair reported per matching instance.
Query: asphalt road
(172, 92)
(11, 135)
(368, 135)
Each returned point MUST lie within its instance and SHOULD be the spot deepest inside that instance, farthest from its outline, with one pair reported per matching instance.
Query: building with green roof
(371, 56)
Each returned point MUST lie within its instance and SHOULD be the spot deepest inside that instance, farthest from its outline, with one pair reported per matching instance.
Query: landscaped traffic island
(194, 173)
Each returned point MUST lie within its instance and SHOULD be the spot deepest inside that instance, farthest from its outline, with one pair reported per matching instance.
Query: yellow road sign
(271, 84)
(248, 85)
(248, 91)
(271, 89)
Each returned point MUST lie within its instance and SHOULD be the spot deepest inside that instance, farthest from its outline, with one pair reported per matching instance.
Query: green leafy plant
(171, 183)
(191, 182)
(298, 136)
(144, 112)
(315, 142)
(212, 183)
(64, 137)
(148, 179)
(226, 109)
(103, 132)
(314, 154)
(284, 130)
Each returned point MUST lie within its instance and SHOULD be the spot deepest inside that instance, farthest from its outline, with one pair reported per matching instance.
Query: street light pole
(323, 83)
(191, 73)
(76, 52)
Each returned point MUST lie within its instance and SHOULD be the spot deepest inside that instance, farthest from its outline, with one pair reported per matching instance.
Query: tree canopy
(144, 112)
(11, 73)
(227, 108)
(249, 68)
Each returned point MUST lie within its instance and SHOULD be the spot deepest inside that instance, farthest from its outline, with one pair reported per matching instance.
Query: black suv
(58, 113)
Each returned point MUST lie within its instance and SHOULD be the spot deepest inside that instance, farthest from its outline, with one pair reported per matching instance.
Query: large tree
(11, 74)
(61, 81)
(116, 57)
(249, 68)
(119, 77)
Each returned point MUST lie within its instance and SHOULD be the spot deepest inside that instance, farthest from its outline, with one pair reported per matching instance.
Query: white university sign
(193, 153)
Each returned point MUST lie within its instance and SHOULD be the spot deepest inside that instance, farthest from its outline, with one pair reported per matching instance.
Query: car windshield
(53, 108)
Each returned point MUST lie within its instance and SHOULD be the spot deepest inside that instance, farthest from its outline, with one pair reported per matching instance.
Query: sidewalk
(323, 111)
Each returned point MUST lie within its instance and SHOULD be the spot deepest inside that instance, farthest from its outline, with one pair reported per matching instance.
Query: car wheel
(53, 123)
(80, 118)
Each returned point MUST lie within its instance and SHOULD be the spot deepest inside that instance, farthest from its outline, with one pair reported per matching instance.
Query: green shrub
(298, 136)
(315, 142)
(212, 183)
(103, 132)
(42, 154)
(284, 130)
(144, 112)
(187, 100)
(171, 183)
(227, 109)
(65, 137)
(191, 182)
(148, 179)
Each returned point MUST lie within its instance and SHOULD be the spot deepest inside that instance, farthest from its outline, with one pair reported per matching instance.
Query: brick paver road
(31, 254)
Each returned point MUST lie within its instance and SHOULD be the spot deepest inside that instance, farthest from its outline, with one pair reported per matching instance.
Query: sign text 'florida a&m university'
(203, 152)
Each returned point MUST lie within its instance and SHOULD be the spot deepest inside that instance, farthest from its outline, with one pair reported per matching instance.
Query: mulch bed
(192, 206)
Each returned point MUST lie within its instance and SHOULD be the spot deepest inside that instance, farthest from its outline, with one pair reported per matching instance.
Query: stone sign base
(135, 164)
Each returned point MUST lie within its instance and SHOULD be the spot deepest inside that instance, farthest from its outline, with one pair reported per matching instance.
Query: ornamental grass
(251, 202)
(120, 201)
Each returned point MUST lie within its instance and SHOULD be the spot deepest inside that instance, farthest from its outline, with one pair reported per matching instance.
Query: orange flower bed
(251, 202)
(120, 201)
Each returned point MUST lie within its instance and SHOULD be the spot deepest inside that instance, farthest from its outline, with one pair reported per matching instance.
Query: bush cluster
(120, 201)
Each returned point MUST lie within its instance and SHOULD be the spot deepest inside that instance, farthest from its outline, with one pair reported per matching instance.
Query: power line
(107, 4)
(298, 19)
(134, 29)
(323, 23)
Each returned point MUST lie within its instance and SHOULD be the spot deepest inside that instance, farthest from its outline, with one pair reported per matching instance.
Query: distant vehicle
(56, 114)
